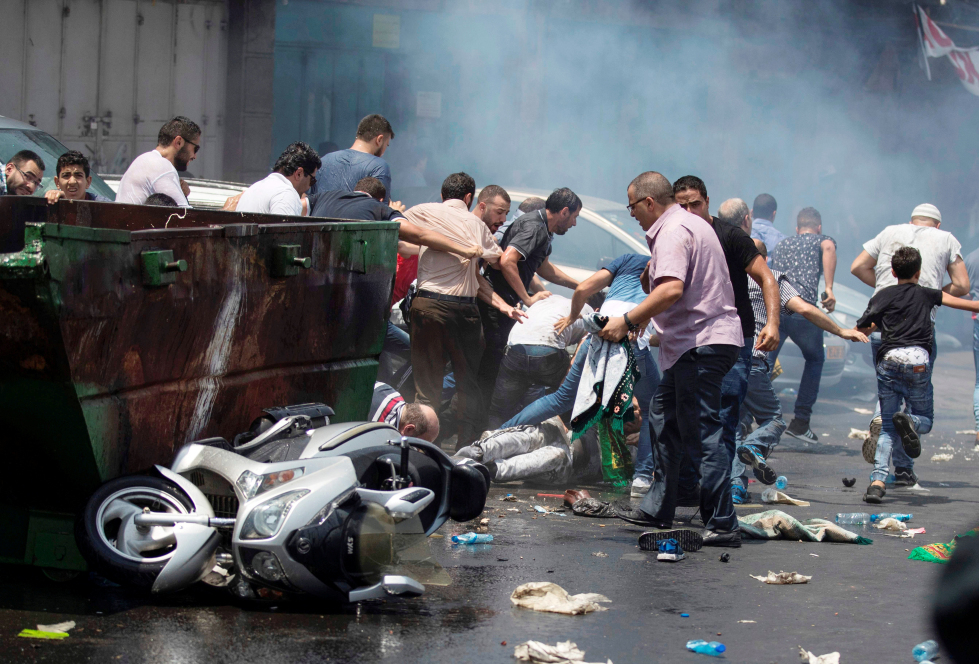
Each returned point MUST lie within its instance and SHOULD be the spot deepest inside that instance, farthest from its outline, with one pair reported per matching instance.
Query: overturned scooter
(297, 505)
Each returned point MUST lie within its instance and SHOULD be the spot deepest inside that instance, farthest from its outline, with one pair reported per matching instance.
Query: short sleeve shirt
(786, 291)
(528, 234)
(739, 251)
(938, 250)
(903, 314)
(350, 205)
(538, 329)
(684, 247)
(343, 169)
(801, 258)
(972, 266)
(626, 272)
(150, 173)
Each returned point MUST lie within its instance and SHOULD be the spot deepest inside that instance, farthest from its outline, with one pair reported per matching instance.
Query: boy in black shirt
(903, 314)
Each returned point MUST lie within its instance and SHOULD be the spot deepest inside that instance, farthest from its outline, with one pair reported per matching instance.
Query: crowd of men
(477, 352)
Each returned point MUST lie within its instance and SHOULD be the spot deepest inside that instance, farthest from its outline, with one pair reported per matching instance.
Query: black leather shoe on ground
(689, 540)
(730, 539)
(909, 437)
(691, 499)
(874, 495)
(638, 517)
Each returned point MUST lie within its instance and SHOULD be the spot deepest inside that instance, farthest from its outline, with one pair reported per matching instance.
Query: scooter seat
(469, 487)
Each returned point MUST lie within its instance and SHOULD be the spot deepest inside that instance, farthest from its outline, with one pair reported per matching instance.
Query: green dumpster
(128, 331)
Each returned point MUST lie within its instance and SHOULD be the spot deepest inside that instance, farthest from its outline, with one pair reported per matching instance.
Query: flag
(936, 44)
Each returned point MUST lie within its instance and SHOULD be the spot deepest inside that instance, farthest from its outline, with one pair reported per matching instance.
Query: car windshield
(621, 218)
(49, 149)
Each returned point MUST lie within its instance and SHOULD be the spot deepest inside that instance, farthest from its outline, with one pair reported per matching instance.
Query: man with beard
(292, 175)
(493, 206)
(155, 172)
(21, 176)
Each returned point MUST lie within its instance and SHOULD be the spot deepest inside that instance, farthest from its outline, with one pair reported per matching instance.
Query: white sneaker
(640, 486)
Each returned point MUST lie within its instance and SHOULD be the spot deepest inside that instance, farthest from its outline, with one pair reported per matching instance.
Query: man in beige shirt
(445, 323)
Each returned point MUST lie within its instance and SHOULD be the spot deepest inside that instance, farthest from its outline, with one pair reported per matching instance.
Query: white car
(205, 194)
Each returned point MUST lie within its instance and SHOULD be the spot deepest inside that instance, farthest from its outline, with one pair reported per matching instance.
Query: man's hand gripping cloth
(605, 397)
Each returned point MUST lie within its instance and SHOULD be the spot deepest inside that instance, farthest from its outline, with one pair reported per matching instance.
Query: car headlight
(252, 484)
(265, 520)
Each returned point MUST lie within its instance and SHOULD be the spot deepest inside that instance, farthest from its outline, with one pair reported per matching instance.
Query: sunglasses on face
(197, 147)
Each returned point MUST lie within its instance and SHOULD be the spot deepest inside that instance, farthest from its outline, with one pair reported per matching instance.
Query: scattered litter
(712, 649)
(774, 524)
(684, 615)
(924, 651)
(538, 508)
(775, 497)
(599, 554)
(747, 621)
(825, 435)
(510, 498)
(942, 457)
(814, 555)
(891, 524)
(57, 627)
(849, 482)
(918, 487)
(436, 536)
(782, 578)
(971, 432)
(513, 509)
(593, 507)
(725, 557)
(564, 652)
(940, 552)
(863, 411)
(943, 484)
(571, 496)
(472, 538)
(809, 658)
(550, 495)
(552, 598)
(39, 634)
(858, 434)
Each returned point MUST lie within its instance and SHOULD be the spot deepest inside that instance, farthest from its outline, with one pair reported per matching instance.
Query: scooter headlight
(252, 484)
(265, 520)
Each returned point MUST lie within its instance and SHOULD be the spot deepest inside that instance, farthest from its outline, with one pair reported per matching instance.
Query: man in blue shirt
(763, 222)
(342, 169)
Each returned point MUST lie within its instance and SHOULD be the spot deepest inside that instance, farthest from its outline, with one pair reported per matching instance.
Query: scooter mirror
(401, 504)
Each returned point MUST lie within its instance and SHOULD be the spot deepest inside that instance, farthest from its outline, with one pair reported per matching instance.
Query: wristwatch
(632, 326)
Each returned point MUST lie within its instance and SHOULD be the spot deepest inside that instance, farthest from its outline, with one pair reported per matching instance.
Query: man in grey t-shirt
(940, 253)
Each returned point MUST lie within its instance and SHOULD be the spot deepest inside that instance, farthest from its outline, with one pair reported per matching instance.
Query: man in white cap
(940, 253)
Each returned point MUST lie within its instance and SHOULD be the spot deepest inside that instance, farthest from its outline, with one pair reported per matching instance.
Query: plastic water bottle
(853, 519)
(714, 649)
(769, 495)
(781, 482)
(923, 651)
(472, 538)
(874, 518)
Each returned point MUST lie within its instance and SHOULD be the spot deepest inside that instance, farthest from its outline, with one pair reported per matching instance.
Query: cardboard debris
(565, 652)
(782, 578)
(809, 658)
(552, 598)
(785, 499)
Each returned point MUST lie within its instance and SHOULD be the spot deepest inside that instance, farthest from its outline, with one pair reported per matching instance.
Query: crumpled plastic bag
(858, 434)
(593, 507)
(552, 598)
(809, 658)
(784, 499)
(782, 578)
(565, 652)
(891, 524)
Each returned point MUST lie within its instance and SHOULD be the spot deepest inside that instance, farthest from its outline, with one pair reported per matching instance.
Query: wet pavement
(868, 602)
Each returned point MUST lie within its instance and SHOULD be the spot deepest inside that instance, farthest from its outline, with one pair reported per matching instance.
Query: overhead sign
(429, 105)
(387, 31)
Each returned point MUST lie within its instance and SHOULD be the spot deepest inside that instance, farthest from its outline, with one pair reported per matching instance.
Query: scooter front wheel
(109, 538)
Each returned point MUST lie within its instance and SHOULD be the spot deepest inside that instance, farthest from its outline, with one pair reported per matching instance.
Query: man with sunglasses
(156, 171)
(21, 176)
(280, 193)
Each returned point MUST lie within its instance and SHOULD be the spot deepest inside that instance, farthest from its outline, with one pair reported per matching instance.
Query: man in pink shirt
(691, 304)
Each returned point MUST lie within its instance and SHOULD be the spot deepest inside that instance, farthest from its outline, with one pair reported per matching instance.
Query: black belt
(445, 298)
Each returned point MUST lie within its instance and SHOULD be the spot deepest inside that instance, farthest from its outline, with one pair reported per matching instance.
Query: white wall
(142, 61)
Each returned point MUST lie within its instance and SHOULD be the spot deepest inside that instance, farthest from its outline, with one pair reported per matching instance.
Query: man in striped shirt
(411, 419)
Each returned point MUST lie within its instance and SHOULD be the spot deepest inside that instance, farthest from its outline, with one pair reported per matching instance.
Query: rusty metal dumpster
(127, 331)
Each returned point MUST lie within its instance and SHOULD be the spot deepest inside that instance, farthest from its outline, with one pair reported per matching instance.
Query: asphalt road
(868, 602)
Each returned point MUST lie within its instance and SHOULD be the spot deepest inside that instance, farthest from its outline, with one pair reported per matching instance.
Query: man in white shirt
(535, 355)
(940, 253)
(280, 193)
(155, 172)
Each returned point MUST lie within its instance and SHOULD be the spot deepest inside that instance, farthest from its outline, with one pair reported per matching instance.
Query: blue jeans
(975, 354)
(686, 415)
(762, 405)
(809, 339)
(562, 401)
(525, 367)
(897, 383)
(900, 458)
